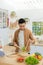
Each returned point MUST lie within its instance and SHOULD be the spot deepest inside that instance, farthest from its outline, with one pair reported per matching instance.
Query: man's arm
(32, 39)
(15, 41)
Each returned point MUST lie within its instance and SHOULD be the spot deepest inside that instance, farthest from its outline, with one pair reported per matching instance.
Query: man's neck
(22, 29)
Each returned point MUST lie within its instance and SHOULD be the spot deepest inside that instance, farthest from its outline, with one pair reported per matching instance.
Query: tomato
(20, 59)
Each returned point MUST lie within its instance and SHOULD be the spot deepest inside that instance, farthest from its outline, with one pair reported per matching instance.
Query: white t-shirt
(21, 38)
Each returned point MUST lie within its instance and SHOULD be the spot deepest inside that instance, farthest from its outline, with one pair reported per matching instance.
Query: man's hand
(28, 44)
(31, 41)
(16, 45)
(26, 49)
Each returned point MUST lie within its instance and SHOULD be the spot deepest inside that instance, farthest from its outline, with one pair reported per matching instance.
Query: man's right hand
(16, 45)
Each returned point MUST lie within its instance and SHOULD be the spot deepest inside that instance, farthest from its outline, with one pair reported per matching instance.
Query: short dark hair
(20, 21)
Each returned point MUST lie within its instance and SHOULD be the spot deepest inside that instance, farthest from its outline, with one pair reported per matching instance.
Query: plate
(24, 54)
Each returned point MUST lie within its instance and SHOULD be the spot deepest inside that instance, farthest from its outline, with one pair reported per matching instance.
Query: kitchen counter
(37, 44)
(11, 59)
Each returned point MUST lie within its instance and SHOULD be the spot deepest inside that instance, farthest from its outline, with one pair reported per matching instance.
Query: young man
(23, 36)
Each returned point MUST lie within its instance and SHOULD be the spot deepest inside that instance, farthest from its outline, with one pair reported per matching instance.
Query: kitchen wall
(33, 15)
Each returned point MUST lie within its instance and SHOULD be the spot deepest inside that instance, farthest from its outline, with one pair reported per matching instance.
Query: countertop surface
(11, 59)
(37, 44)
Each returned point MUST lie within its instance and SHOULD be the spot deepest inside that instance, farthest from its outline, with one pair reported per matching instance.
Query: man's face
(22, 26)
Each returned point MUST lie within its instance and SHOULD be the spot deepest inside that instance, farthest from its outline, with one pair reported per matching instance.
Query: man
(23, 36)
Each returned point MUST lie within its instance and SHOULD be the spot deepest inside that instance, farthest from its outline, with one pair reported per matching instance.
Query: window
(37, 28)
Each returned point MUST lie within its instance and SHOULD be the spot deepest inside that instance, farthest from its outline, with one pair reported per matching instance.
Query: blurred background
(12, 10)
